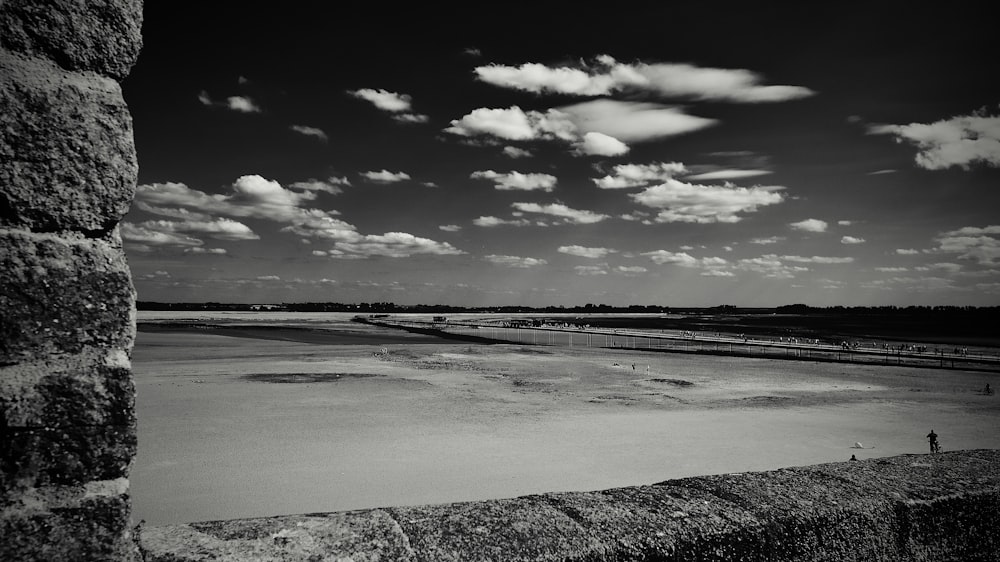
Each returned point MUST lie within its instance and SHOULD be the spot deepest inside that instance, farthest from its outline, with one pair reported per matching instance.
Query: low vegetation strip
(909, 507)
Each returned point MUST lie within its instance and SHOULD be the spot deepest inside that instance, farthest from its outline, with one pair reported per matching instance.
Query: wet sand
(267, 424)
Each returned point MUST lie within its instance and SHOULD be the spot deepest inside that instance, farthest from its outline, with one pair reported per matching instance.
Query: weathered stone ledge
(909, 507)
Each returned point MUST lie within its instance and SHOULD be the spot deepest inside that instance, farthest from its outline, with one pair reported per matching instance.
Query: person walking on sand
(932, 439)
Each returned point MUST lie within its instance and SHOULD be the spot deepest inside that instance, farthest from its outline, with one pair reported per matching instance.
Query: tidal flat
(247, 417)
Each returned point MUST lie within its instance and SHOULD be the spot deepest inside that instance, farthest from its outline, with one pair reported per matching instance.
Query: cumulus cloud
(767, 241)
(809, 225)
(637, 175)
(613, 122)
(202, 250)
(256, 197)
(310, 132)
(515, 152)
(770, 265)
(397, 104)
(330, 185)
(515, 261)
(450, 227)
(571, 216)
(678, 201)
(489, 221)
(978, 244)
(630, 269)
(632, 121)
(585, 252)
(907, 251)
(393, 245)
(818, 259)
(851, 240)
(385, 176)
(517, 181)
(268, 278)
(604, 76)
(959, 141)
(591, 270)
(727, 174)
(891, 269)
(241, 104)
(662, 257)
(599, 144)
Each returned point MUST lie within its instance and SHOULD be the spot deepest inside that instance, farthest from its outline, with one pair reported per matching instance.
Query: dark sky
(540, 153)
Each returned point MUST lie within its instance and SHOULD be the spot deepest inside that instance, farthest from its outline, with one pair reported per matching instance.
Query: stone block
(96, 529)
(62, 295)
(99, 35)
(64, 456)
(67, 157)
(87, 389)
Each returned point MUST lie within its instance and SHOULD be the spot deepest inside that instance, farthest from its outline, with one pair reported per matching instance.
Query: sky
(674, 154)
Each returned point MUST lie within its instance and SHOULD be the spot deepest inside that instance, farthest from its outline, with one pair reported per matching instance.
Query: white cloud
(768, 240)
(517, 180)
(907, 251)
(590, 270)
(585, 252)
(151, 237)
(572, 216)
(662, 257)
(385, 176)
(174, 212)
(450, 227)
(728, 174)
(845, 223)
(891, 269)
(685, 202)
(809, 225)
(851, 240)
(397, 104)
(383, 99)
(943, 266)
(599, 144)
(241, 104)
(515, 261)
(310, 131)
(511, 124)
(636, 175)
(632, 121)
(489, 221)
(411, 117)
(881, 172)
(671, 80)
(268, 278)
(628, 269)
(202, 250)
(959, 141)
(393, 245)
(979, 244)
(818, 259)
(330, 185)
(770, 265)
(185, 233)
(515, 152)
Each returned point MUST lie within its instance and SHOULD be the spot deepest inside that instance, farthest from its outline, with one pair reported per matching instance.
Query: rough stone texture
(99, 35)
(61, 295)
(67, 306)
(66, 145)
(89, 529)
(910, 507)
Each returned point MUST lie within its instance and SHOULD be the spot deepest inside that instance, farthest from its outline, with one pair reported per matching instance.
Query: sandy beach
(279, 420)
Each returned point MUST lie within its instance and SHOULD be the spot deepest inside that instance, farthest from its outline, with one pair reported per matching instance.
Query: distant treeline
(388, 307)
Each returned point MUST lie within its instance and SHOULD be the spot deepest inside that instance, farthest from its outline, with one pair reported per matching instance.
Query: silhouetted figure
(932, 439)
(988, 390)
(854, 458)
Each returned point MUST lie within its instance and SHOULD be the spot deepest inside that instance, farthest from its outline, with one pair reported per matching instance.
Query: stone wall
(910, 507)
(67, 322)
